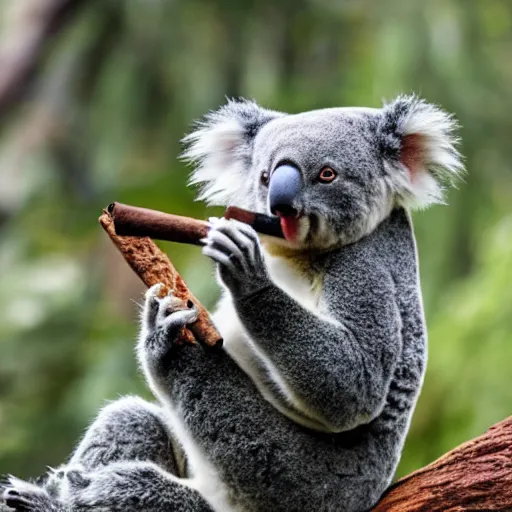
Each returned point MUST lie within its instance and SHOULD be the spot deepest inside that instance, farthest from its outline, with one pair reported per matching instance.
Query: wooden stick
(475, 476)
(153, 266)
(134, 221)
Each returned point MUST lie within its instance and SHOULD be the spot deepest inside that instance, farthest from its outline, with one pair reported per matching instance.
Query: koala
(308, 403)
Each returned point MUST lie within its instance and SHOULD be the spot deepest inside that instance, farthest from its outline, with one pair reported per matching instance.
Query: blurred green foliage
(102, 122)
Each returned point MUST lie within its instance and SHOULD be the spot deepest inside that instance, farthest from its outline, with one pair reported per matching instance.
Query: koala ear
(418, 142)
(220, 148)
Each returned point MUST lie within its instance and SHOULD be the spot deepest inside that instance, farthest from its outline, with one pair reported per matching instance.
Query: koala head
(332, 175)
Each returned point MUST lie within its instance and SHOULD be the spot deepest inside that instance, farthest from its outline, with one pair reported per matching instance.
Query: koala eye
(327, 175)
(264, 178)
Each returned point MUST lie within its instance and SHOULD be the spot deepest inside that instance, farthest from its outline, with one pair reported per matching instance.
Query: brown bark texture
(153, 266)
(475, 476)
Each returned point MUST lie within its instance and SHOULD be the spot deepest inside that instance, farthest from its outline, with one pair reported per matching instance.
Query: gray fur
(308, 405)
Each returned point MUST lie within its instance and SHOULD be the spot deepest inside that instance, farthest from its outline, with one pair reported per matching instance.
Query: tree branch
(475, 476)
(153, 266)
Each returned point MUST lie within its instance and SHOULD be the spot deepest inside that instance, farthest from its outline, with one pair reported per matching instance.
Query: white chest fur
(294, 283)
(248, 354)
(288, 278)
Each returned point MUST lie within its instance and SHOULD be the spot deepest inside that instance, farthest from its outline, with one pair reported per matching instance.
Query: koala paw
(163, 319)
(56, 479)
(27, 497)
(118, 487)
(79, 491)
(235, 247)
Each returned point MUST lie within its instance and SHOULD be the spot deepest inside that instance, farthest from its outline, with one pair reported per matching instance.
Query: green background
(119, 86)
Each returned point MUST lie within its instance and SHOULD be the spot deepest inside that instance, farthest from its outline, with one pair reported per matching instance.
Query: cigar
(264, 224)
(136, 221)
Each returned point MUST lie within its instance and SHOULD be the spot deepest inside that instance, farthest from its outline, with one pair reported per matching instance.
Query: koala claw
(235, 247)
(162, 321)
(166, 313)
(26, 497)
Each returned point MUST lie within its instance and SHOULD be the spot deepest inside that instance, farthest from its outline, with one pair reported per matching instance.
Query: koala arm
(259, 368)
(334, 369)
(337, 371)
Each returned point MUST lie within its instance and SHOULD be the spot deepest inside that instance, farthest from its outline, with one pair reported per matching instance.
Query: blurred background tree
(103, 90)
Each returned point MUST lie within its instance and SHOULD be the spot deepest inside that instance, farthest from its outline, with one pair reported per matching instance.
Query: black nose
(284, 186)
(284, 210)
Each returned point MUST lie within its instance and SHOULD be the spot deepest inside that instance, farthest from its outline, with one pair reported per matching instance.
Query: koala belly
(262, 461)
(292, 467)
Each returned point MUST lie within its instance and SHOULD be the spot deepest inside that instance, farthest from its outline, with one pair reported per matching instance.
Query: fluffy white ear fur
(422, 138)
(417, 140)
(220, 151)
(218, 171)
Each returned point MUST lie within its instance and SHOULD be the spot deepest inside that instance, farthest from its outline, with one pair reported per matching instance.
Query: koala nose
(284, 186)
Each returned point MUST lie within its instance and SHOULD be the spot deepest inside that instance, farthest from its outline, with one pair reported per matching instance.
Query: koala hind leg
(129, 487)
(129, 429)
(118, 487)
(125, 462)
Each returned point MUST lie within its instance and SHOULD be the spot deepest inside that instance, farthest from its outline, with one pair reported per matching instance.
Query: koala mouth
(301, 232)
(305, 231)
(290, 226)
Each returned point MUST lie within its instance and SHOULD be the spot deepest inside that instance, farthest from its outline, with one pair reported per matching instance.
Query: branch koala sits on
(308, 404)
